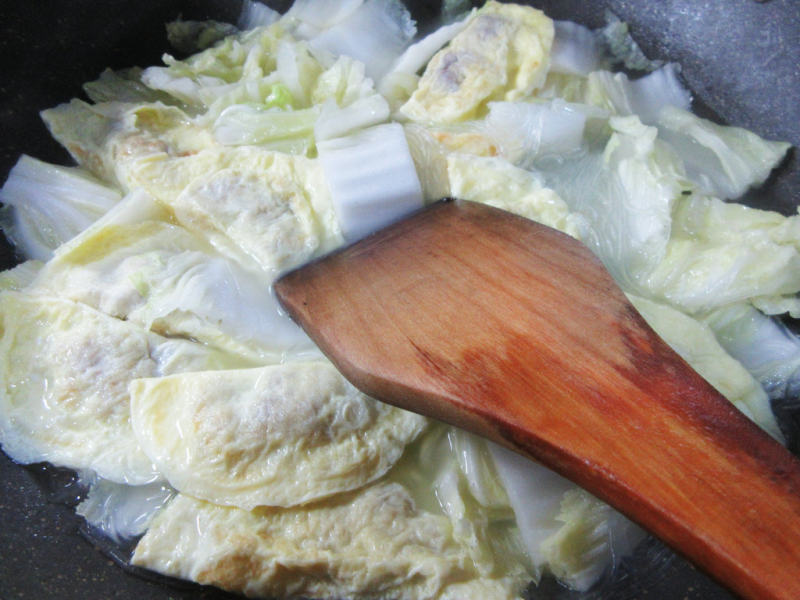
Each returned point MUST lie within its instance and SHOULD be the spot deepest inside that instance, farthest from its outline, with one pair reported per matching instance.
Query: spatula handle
(516, 332)
(662, 447)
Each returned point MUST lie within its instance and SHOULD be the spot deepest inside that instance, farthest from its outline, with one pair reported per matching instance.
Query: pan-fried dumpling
(280, 435)
(110, 138)
(374, 543)
(64, 375)
(502, 54)
(136, 264)
(65, 372)
(254, 205)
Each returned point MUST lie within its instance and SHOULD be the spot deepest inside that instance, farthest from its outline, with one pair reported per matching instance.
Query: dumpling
(65, 371)
(280, 435)
(502, 54)
(256, 206)
(64, 374)
(374, 543)
(157, 274)
(110, 138)
(20, 276)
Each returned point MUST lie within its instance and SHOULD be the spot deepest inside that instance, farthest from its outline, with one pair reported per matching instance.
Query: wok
(741, 59)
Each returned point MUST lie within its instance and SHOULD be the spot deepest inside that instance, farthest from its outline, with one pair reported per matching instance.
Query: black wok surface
(741, 58)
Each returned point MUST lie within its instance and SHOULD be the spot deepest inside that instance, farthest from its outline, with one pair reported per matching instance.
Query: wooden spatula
(516, 332)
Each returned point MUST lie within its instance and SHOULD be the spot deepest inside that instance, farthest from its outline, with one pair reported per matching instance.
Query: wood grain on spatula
(516, 332)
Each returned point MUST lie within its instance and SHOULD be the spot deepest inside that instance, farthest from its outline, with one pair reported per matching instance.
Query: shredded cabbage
(769, 350)
(525, 131)
(256, 14)
(49, 205)
(564, 529)
(645, 97)
(322, 14)
(297, 69)
(576, 49)
(722, 161)
(625, 192)
(337, 122)
(21, 276)
(243, 124)
(721, 253)
(121, 511)
(376, 33)
(590, 538)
